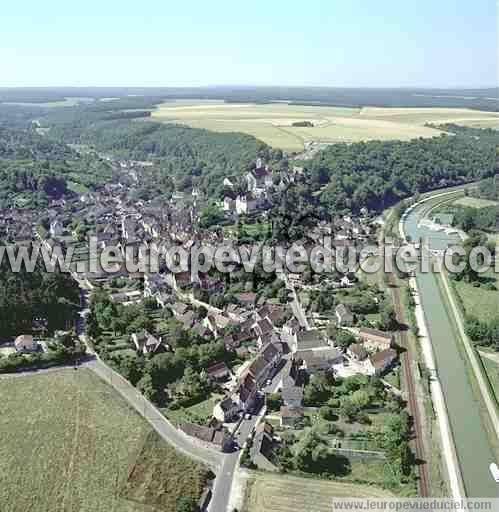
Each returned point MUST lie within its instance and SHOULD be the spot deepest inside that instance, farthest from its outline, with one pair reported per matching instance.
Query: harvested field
(273, 122)
(71, 444)
(275, 493)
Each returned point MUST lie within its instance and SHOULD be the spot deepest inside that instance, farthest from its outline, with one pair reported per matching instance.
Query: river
(473, 447)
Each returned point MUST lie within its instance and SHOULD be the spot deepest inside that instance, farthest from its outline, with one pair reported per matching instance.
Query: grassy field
(273, 122)
(275, 493)
(475, 202)
(479, 302)
(69, 444)
(201, 412)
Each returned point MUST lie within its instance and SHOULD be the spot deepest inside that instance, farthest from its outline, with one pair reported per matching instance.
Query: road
(225, 465)
(157, 420)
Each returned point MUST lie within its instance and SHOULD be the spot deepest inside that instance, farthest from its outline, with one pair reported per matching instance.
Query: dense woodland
(35, 169)
(378, 174)
(27, 296)
(192, 157)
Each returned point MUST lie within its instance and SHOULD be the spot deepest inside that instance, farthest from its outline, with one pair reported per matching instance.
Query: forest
(376, 175)
(35, 169)
(192, 157)
(27, 296)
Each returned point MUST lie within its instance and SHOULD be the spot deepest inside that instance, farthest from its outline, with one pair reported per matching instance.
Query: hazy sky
(439, 43)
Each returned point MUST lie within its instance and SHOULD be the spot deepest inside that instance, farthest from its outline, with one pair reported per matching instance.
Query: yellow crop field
(275, 493)
(273, 122)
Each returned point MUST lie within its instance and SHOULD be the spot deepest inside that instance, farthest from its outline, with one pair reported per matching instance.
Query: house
(269, 338)
(56, 228)
(217, 323)
(308, 340)
(247, 393)
(292, 395)
(220, 438)
(218, 372)
(226, 410)
(146, 343)
(291, 328)
(344, 315)
(320, 360)
(276, 315)
(243, 336)
(25, 343)
(261, 451)
(188, 319)
(179, 309)
(290, 375)
(231, 343)
(271, 354)
(246, 299)
(245, 204)
(291, 416)
(376, 340)
(258, 180)
(357, 352)
(202, 331)
(260, 370)
(263, 327)
(379, 362)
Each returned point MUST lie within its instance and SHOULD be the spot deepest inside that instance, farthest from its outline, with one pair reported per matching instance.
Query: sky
(336, 43)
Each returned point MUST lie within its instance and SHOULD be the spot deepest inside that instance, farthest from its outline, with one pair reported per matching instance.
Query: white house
(245, 204)
(56, 228)
(25, 343)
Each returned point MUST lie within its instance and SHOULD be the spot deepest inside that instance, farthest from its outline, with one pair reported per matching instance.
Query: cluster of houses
(16, 224)
(373, 352)
(257, 331)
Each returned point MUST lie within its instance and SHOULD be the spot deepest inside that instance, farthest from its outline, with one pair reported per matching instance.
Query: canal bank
(471, 442)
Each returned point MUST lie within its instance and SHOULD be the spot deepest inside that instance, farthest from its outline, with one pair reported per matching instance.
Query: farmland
(273, 122)
(70, 444)
(272, 493)
(478, 301)
(475, 202)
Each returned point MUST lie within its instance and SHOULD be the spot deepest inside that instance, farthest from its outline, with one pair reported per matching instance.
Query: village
(278, 345)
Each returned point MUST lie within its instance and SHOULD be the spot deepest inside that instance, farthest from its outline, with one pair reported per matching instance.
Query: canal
(473, 448)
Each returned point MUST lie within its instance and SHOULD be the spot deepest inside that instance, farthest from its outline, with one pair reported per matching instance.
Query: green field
(475, 202)
(273, 122)
(479, 302)
(275, 493)
(200, 412)
(70, 444)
